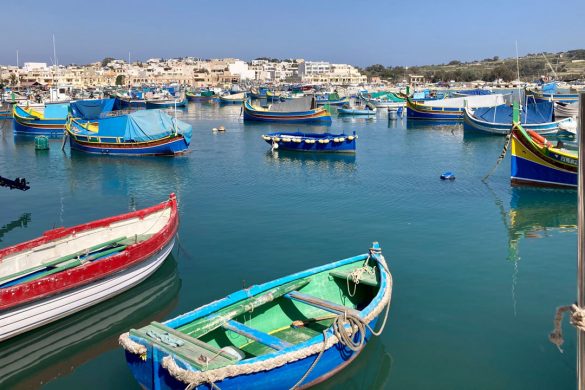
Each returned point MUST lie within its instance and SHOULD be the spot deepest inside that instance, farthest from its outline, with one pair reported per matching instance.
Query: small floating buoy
(41, 142)
(448, 176)
(221, 128)
(214, 129)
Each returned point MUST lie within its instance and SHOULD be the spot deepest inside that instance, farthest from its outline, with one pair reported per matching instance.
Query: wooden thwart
(321, 303)
(256, 335)
(52, 263)
(207, 324)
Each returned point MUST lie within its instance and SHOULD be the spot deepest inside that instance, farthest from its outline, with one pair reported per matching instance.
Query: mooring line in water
(502, 155)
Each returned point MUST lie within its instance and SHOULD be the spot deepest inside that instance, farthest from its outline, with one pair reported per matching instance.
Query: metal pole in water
(581, 244)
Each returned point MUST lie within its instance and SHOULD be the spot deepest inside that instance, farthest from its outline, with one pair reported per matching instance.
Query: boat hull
(349, 111)
(36, 314)
(473, 124)
(529, 166)
(166, 104)
(165, 147)
(25, 124)
(419, 111)
(333, 360)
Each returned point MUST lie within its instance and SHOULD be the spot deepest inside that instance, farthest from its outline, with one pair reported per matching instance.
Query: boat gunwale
(34, 290)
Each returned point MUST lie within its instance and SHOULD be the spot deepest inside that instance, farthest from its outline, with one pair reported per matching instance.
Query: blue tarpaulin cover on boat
(475, 92)
(549, 88)
(144, 125)
(532, 113)
(56, 111)
(91, 109)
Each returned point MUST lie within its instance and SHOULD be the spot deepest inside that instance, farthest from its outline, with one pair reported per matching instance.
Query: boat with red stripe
(69, 269)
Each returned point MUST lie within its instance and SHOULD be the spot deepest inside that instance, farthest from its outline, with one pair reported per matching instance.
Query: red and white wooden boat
(69, 269)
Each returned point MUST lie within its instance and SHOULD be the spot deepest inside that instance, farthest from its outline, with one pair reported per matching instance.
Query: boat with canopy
(144, 132)
(301, 110)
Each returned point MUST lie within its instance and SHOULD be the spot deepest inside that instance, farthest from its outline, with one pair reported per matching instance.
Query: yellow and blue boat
(301, 110)
(50, 122)
(536, 161)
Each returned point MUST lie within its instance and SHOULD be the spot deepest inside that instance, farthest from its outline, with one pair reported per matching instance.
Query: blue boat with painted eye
(312, 142)
(293, 332)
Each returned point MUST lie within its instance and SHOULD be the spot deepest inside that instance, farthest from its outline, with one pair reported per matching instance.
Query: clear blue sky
(356, 32)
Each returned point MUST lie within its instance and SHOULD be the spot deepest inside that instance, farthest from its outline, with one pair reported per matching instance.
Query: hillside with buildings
(185, 71)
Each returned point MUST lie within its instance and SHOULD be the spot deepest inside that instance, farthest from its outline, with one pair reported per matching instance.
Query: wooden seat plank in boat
(256, 335)
(321, 303)
(196, 352)
(202, 326)
(364, 278)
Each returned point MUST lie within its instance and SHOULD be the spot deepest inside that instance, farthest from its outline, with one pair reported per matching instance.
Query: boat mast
(581, 245)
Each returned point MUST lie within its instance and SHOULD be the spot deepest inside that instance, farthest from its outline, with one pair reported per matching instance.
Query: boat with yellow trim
(301, 110)
(536, 161)
(51, 121)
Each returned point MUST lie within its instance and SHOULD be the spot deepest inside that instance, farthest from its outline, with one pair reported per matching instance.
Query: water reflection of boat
(30, 360)
(535, 213)
(434, 125)
(339, 162)
(371, 370)
(20, 222)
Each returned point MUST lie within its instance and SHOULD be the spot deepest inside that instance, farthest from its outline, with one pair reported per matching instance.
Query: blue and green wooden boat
(293, 332)
(201, 96)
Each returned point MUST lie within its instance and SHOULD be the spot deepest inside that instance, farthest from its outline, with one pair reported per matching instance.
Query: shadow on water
(21, 222)
(370, 370)
(324, 161)
(42, 355)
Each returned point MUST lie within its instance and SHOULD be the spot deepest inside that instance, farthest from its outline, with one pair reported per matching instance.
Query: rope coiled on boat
(194, 378)
(577, 319)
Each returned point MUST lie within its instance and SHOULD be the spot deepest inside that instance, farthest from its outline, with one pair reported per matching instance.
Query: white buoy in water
(392, 113)
(221, 128)
(214, 129)
(274, 146)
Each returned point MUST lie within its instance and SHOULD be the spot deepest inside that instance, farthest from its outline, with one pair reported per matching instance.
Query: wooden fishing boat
(332, 99)
(383, 99)
(69, 269)
(144, 132)
(236, 98)
(293, 332)
(301, 110)
(540, 96)
(167, 103)
(202, 96)
(366, 109)
(536, 161)
(51, 122)
(566, 110)
(498, 120)
(312, 142)
(450, 109)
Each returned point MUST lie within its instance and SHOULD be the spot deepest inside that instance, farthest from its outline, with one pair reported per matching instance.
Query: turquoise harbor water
(478, 269)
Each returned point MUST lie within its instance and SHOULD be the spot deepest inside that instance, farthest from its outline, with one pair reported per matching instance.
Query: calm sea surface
(478, 269)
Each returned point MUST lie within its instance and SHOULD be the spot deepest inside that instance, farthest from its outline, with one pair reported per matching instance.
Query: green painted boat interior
(264, 323)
